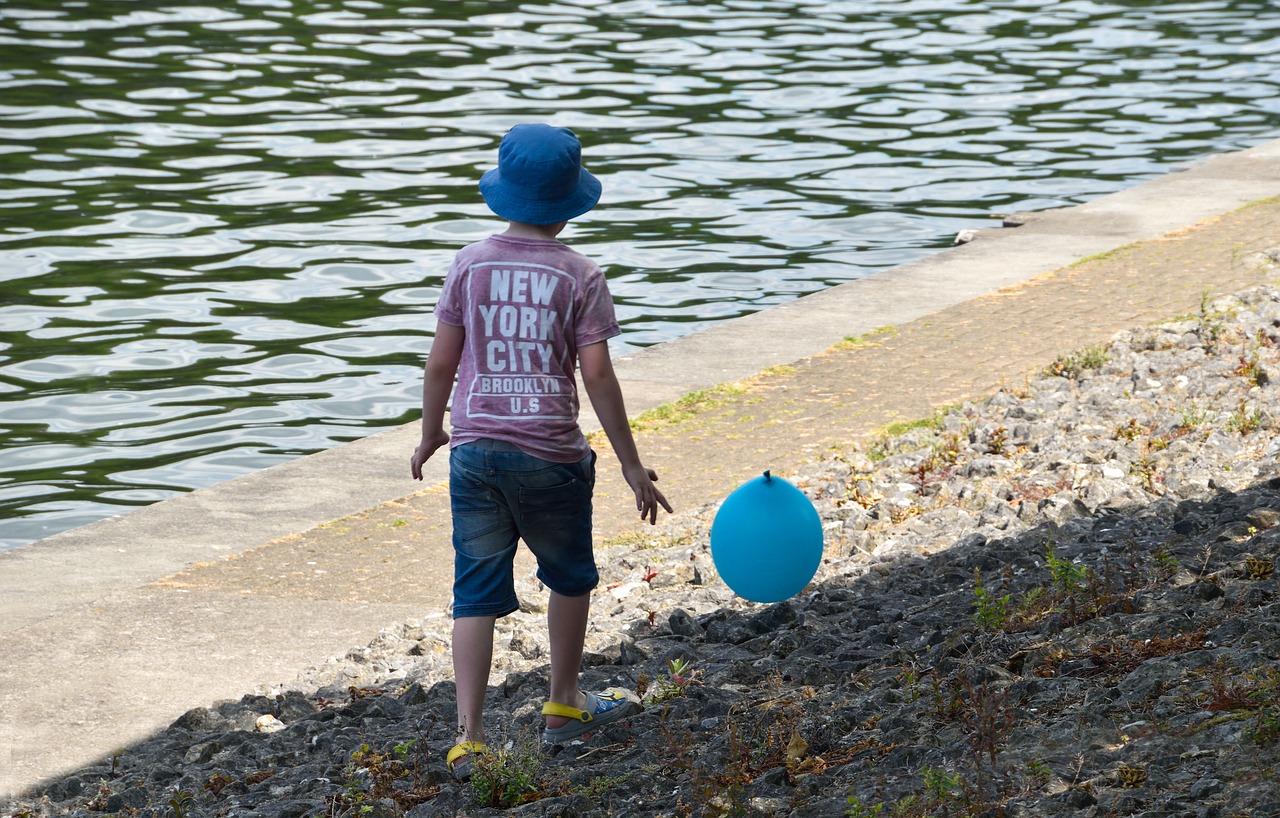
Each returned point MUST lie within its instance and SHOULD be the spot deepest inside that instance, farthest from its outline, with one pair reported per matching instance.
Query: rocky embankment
(1059, 601)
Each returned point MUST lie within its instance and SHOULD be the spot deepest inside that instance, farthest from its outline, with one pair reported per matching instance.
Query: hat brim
(507, 203)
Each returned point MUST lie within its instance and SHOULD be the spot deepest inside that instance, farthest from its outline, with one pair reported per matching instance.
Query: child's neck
(520, 230)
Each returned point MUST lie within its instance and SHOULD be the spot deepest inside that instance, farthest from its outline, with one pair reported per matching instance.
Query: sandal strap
(565, 711)
(465, 748)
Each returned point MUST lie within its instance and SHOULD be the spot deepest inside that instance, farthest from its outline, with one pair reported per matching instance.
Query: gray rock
(1122, 676)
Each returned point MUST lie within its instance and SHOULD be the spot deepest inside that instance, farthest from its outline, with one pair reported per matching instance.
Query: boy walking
(519, 310)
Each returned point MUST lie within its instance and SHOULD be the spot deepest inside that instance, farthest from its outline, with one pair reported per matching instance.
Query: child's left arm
(437, 383)
(606, 398)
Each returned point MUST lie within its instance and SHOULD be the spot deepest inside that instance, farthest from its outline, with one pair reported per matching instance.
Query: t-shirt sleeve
(596, 318)
(449, 307)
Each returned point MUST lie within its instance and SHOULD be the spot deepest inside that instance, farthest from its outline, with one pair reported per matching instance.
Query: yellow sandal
(460, 761)
(600, 709)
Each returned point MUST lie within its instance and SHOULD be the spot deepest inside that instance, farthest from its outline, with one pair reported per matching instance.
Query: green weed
(859, 810)
(180, 804)
(1066, 576)
(1250, 369)
(1243, 421)
(685, 407)
(871, 338)
(506, 778)
(991, 611)
(398, 774)
(1192, 417)
(680, 675)
(998, 441)
(1210, 324)
(1144, 468)
(883, 437)
(600, 785)
(1077, 363)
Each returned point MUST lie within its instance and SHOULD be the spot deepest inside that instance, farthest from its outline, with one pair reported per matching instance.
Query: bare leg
(472, 658)
(567, 630)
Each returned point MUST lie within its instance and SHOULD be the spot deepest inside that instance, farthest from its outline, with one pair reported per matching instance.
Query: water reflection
(222, 228)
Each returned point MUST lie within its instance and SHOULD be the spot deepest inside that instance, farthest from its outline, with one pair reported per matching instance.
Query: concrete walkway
(113, 630)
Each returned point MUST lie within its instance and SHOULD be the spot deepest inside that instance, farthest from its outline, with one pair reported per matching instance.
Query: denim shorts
(500, 495)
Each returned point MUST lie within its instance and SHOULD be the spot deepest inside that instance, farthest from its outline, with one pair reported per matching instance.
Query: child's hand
(428, 446)
(648, 498)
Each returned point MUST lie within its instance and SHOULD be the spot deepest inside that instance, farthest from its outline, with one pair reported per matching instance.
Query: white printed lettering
(500, 285)
(543, 287)
(487, 312)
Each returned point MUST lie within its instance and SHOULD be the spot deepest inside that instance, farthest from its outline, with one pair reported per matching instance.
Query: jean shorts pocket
(475, 510)
(564, 501)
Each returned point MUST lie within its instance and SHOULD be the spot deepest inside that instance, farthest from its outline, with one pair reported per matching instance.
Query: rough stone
(1080, 624)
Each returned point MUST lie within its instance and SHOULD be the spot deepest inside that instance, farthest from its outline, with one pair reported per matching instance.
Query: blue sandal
(600, 709)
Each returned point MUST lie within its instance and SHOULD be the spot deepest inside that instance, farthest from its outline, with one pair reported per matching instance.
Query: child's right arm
(437, 383)
(606, 398)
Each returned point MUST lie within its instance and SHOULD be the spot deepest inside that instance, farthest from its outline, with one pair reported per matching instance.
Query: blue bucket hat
(539, 178)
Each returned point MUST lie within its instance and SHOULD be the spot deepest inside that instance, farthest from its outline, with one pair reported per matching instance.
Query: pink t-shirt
(526, 306)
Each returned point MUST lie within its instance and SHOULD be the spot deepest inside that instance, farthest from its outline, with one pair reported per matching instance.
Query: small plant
(1076, 592)
(373, 775)
(680, 674)
(1131, 777)
(884, 437)
(991, 611)
(1077, 363)
(1131, 430)
(1037, 490)
(1124, 655)
(900, 514)
(1144, 468)
(859, 810)
(998, 441)
(180, 804)
(940, 787)
(1257, 568)
(1242, 421)
(506, 778)
(1266, 729)
(1067, 577)
(1192, 417)
(1039, 772)
(1257, 692)
(1166, 565)
(217, 782)
(910, 683)
(937, 464)
(1250, 369)
(871, 338)
(949, 449)
(686, 407)
(98, 803)
(1210, 324)
(600, 785)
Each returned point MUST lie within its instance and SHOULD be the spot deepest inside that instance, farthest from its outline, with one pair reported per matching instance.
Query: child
(518, 311)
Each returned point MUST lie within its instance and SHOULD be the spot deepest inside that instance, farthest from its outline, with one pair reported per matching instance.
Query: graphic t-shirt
(526, 306)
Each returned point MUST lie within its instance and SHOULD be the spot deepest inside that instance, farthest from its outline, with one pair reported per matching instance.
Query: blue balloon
(766, 540)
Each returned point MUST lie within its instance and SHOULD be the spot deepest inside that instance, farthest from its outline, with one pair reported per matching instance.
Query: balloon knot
(767, 476)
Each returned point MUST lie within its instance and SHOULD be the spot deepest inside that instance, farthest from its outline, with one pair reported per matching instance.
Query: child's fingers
(648, 506)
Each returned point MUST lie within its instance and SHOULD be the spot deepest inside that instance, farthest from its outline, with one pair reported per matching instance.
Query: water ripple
(224, 228)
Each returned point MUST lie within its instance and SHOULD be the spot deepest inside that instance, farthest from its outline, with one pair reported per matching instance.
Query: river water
(223, 227)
